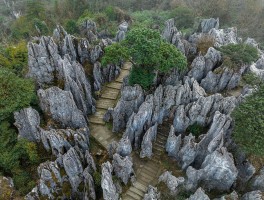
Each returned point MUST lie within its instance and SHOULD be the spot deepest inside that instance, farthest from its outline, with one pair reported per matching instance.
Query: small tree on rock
(148, 52)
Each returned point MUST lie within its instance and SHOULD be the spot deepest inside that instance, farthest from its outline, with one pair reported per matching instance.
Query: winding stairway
(147, 170)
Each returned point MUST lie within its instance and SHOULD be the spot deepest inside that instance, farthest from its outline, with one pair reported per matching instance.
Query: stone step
(137, 191)
(150, 173)
(158, 148)
(151, 166)
(127, 66)
(140, 186)
(96, 120)
(146, 176)
(105, 103)
(160, 144)
(123, 74)
(110, 94)
(114, 85)
(143, 181)
(155, 159)
(161, 137)
(133, 195)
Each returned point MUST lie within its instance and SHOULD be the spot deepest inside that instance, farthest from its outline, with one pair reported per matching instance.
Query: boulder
(43, 60)
(61, 107)
(27, 123)
(257, 182)
(258, 68)
(131, 99)
(121, 34)
(109, 189)
(89, 186)
(173, 144)
(73, 168)
(199, 195)
(146, 145)
(217, 172)
(152, 193)
(254, 195)
(171, 181)
(123, 167)
(124, 147)
(224, 36)
(90, 162)
(95, 53)
(207, 24)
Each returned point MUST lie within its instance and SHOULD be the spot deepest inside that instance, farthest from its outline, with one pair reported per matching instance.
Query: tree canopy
(148, 52)
(249, 123)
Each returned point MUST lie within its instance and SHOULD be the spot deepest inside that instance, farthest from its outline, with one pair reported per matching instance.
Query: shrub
(249, 123)
(236, 55)
(141, 76)
(15, 93)
(196, 129)
(71, 27)
(184, 17)
(204, 43)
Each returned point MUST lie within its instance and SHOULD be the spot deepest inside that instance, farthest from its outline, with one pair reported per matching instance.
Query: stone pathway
(109, 97)
(147, 170)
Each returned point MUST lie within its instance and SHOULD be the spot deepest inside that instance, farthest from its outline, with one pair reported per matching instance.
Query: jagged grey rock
(121, 34)
(43, 60)
(201, 65)
(123, 167)
(258, 67)
(27, 123)
(199, 195)
(152, 193)
(89, 30)
(217, 172)
(257, 182)
(254, 195)
(207, 24)
(171, 181)
(104, 74)
(61, 107)
(252, 42)
(224, 36)
(33, 195)
(50, 179)
(136, 123)
(89, 185)
(169, 30)
(61, 140)
(232, 196)
(146, 145)
(131, 99)
(173, 143)
(90, 162)
(95, 53)
(111, 148)
(73, 168)
(188, 151)
(109, 189)
(124, 147)
(83, 50)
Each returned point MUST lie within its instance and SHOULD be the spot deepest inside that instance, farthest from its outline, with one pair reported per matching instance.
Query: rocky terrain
(68, 97)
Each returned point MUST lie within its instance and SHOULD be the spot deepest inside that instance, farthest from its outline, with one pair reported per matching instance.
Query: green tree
(249, 123)
(146, 50)
(15, 93)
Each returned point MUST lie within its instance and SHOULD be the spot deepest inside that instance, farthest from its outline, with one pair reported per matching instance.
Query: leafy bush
(15, 93)
(236, 55)
(196, 129)
(184, 17)
(71, 27)
(141, 76)
(249, 123)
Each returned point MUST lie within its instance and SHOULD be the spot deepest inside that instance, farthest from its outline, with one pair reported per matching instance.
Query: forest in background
(20, 20)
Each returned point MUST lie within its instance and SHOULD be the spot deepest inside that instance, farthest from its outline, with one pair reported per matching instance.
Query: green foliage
(249, 123)
(236, 55)
(71, 27)
(196, 129)
(148, 52)
(15, 58)
(15, 93)
(141, 76)
(97, 178)
(16, 156)
(184, 17)
(252, 79)
(41, 25)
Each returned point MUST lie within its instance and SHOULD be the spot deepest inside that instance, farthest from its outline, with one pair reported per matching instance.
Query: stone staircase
(108, 98)
(147, 170)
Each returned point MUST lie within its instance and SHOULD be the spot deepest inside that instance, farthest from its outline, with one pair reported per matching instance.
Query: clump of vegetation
(148, 53)
(252, 79)
(204, 43)
(236, 55)
(196, 129)
(249, 123)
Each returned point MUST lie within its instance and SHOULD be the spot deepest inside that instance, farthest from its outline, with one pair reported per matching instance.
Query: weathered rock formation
(60, 106)
(146, 145)
(171, 181)
(27, 123)
(152, 194)
(121, 34)
(123, 167)
(207, 24)
(199, 195)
